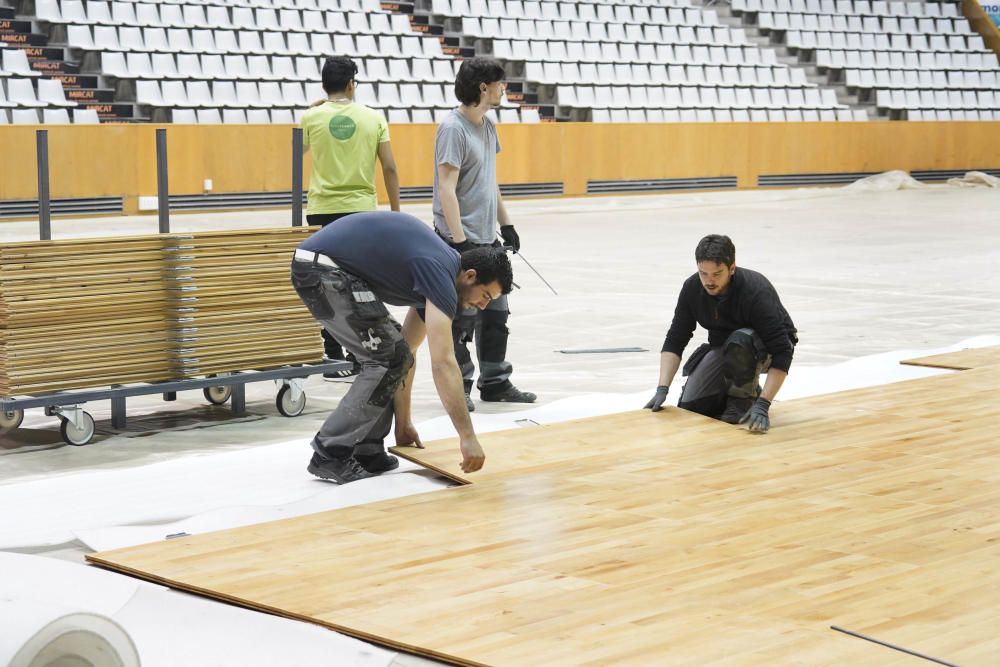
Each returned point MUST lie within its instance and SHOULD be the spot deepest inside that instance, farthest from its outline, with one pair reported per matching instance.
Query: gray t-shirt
(473, 150)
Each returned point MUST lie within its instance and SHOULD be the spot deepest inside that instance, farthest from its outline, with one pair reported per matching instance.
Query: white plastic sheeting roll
(39, 634)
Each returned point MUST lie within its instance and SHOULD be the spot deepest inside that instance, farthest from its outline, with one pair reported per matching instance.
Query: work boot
(341, 471)
(735, 409)
(378, 463)
(506, 393)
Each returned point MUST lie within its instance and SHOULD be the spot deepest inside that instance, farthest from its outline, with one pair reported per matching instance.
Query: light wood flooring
(962, 360)
(659, 539)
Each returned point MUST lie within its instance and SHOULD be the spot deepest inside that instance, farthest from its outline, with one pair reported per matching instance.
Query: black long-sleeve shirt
(749, 302)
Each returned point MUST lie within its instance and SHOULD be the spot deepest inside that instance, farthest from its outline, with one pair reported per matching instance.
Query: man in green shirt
(345, 138)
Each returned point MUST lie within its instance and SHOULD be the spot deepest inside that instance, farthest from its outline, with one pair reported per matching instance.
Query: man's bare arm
(669, 363)
(502, 216)
(389, 173)
(448, 380)
(775, 378)
(447, 182)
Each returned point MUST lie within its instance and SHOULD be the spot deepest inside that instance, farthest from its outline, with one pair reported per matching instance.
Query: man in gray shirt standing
(467, 207)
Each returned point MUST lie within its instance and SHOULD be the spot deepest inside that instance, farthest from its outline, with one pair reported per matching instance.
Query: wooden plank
(665, 538)
(962, 360)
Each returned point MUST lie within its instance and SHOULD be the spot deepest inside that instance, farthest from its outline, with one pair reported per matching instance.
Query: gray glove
(656, 403)
(756, 417)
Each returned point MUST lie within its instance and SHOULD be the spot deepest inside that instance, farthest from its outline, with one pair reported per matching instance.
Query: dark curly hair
(473, 72)
(490, 264)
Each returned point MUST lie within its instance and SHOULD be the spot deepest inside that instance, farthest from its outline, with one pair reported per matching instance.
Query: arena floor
(860, 272)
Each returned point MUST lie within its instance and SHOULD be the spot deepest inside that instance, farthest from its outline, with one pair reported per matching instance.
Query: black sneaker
(379, 463)
(340, 375)
(340, 471)
(507, 394)
(345, 373)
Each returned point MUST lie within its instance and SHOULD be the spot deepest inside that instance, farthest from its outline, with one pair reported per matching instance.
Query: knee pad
(740, 355)
(494, 318)
(492, 336)
(399, 366)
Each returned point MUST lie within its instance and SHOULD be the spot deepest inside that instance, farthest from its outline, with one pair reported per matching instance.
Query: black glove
(464, 246)
(756, 417)
(510, 237)
(656, 403)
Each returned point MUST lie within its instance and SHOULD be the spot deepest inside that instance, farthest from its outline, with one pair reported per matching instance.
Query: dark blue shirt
(401, 258)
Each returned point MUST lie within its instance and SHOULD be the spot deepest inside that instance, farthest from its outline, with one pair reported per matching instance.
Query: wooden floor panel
(962, 360)
(665, 538)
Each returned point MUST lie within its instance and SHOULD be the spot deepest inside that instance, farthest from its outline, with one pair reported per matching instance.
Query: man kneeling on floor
(749, 332)
(345, 274)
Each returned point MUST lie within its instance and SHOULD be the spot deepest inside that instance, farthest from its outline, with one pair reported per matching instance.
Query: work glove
(464, 246)
(656, 403)
(756, 417)
(510, 237)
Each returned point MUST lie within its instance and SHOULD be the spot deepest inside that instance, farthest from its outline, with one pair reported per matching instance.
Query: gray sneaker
(469, 404)
(341, 471)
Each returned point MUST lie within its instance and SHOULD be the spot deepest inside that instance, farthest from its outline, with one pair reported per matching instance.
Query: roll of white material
(42, 635)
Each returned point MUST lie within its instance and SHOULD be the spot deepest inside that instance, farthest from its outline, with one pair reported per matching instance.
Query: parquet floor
(659, 539)
(962, 360)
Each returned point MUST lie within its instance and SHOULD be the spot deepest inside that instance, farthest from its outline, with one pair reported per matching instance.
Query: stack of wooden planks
(97, 312)
(236, 307)
(83, 313)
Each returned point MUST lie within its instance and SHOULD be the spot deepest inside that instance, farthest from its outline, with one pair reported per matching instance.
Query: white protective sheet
(167, 628)
(48, 633)
(201, 493)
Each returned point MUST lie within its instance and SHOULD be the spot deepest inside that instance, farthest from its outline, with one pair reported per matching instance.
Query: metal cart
(77, 425)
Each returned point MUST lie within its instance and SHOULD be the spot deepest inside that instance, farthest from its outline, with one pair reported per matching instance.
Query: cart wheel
(286, 405)
(10, 419)
(77, 436)
(217, 395)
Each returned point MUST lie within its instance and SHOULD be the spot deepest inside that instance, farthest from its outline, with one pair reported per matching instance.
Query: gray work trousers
(346, 307)
(712, 383)
(488, 327)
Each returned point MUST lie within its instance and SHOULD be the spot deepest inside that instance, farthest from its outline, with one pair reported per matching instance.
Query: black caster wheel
(286, 405)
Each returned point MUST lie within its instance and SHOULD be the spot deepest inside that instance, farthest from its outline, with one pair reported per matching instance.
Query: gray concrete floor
(859, 273)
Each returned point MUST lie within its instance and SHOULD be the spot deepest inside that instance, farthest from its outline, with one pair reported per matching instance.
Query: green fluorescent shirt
(343, 138)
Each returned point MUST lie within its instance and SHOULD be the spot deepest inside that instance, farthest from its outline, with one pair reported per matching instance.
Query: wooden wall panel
(84, 161)
(119, 160)
(982, 24)
(413, 148)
